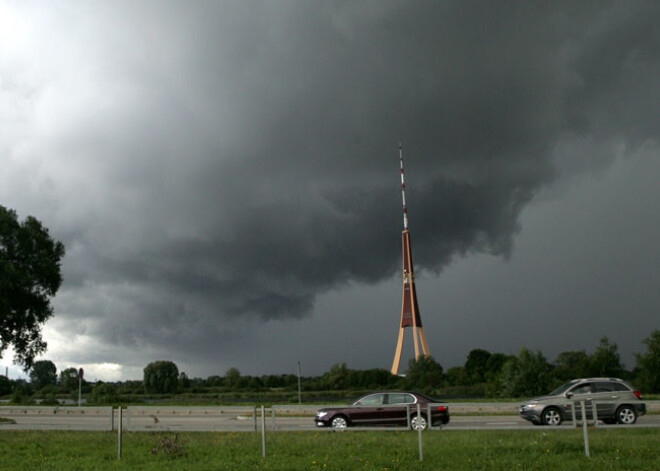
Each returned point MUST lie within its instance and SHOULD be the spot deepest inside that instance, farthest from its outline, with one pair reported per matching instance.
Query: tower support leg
(425, 346)
(397, 353)
(416, 341)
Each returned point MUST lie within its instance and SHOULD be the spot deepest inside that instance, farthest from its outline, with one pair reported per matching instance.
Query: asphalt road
(227, 419)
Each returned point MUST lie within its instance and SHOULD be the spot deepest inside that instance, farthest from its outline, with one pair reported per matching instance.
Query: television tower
(409, 310)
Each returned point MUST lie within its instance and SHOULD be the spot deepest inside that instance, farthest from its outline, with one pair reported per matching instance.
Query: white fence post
(419, 430)
(119, 427)
(594, 413)
(408, 416)
(263, 431)
(584, 429)
(573, 414)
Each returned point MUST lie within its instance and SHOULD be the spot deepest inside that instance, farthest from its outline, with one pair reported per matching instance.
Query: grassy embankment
(458, 450)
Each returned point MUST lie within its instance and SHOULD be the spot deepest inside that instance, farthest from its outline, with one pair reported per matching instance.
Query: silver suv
(616, 401)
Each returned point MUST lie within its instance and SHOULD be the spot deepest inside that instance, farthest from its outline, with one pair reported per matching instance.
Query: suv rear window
(610, 387)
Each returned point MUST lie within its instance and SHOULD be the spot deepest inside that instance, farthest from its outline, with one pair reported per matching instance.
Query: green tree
(22, 393)
(273, 381)
(424, 373)
(457, 376)
(336, 377)
(184, 381)
(374, 378)
(161, 377)
(648, 364)
(570, 365)
(233, 378)
(29, 277)
(105, 393)
(476, 365)
(69, 380)
(606, 361)
(6, 386)
(215, 381)
(527, 374)
(494, 365)
(43, 373)
(255, 384)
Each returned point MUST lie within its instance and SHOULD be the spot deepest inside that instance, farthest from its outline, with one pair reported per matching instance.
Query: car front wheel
(551, 416)
(418, 422)
(339, 422)
(626, 415)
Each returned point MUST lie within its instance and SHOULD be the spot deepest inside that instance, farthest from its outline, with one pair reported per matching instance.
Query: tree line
(484, 375)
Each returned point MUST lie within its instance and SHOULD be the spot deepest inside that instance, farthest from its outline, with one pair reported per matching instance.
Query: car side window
(400, 399)
(373, 400)
(603, 387)
(619, 387)
(582, 389)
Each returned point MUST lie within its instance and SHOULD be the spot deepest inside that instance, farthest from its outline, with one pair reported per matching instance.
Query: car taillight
(638, 394)
(442, 408)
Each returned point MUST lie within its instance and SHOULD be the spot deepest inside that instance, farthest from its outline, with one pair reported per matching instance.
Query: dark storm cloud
(225, 159)
(299, 193)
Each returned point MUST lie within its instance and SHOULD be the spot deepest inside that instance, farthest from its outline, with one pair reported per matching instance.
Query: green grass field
(614, 449)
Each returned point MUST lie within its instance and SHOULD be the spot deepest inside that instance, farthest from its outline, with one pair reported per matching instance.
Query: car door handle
(615, 397)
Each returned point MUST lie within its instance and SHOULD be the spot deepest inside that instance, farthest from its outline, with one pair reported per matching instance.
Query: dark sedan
(384, 408)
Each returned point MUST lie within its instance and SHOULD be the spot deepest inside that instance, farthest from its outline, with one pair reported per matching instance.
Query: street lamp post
(80, 378)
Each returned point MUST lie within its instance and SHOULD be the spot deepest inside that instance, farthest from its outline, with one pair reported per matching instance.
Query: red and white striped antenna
(403, 190)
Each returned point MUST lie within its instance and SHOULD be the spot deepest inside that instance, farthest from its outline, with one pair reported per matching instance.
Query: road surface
(234, 419)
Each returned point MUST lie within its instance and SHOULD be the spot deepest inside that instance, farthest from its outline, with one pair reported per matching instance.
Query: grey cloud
(237, 159)
(283, 205)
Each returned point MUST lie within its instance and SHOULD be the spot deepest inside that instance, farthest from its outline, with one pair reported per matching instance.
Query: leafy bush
(105, 393)
(22, 395)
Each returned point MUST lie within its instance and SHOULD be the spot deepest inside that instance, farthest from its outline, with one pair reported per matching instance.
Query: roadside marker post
(594, 413)
(263, 431)
(419, 431)
(119, 427)
(584, 429)
(573, 414)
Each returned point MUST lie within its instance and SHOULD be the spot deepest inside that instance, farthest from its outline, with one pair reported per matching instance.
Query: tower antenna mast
(410, 316)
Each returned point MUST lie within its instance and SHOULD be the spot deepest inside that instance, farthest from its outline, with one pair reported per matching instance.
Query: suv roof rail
(596, 379)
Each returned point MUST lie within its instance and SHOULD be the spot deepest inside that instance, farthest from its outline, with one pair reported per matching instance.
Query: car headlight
(529, 406)
(321, 414)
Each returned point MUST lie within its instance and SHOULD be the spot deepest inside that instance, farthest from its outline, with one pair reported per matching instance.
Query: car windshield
(561, 389)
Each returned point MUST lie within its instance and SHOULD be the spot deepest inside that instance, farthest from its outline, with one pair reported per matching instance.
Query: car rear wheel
(339, 422)
(626, 415)
(551, 416)
(418, 422)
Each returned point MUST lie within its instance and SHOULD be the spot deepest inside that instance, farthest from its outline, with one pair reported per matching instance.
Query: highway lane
(229, 419)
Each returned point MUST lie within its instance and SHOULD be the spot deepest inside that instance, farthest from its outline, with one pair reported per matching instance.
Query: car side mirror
(568, 395)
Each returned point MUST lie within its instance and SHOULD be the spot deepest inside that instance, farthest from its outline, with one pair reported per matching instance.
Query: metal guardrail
(57, 418)
(150, 418)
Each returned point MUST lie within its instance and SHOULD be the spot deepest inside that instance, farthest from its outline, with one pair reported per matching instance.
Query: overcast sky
(225, 177)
